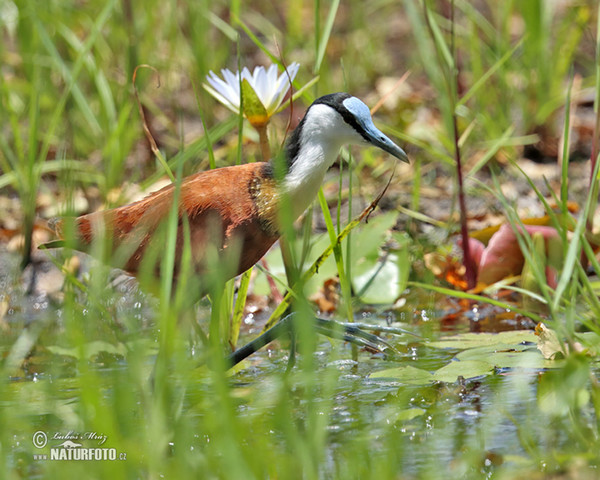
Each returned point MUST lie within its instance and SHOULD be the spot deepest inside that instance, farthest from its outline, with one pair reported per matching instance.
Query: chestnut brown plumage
(220, 206)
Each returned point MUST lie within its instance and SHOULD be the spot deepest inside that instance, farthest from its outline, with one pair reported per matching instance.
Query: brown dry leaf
(435, 262)
(7, 233)
(456, 276)
(572, 207)
(448, 268)
(327, 298)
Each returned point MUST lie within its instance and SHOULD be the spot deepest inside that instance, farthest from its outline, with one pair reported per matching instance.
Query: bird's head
(347, 120)
(331, 122)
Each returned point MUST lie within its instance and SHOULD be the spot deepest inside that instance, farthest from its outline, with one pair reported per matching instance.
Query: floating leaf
(470, 340)
(90, 350)
(405, 374)
(466, 369)
(35, 399)
(391, 414)
(478, 353)
(507, 356)
(409, 414)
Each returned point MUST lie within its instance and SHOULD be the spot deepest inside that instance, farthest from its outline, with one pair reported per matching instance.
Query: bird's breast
(266, 198)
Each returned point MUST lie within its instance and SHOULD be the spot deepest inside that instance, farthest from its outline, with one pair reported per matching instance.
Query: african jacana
(234, 212)
(237, 208)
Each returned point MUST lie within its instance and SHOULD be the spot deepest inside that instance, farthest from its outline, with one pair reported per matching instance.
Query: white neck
(323, 133)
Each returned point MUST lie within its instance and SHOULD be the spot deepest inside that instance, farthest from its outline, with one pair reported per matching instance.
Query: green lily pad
(35, 399)
(90, 350)
(405, 374)
(479, 353)
(464, 341)
(466, 369)
(409, 414)
(501, 350)
(508, 356)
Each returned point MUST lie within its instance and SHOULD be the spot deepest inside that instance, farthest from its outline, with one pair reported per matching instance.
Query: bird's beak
(378, 139)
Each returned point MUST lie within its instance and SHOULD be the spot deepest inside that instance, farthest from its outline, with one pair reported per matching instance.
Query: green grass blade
(564, 185)
(339, 260)
(70, 77)
(444, 54)
(240, 304)
(255, 40)
(573, 253)
(324, 37)
(100, 80)
(490, 152)
(101, 20)
(481, 81)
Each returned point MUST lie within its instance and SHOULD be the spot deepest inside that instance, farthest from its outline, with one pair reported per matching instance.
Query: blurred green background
(72, 141)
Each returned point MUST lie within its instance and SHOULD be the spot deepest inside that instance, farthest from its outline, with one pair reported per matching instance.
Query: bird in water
(231, 215)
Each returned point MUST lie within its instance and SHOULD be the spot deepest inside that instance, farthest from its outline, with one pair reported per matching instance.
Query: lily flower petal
(270, 88)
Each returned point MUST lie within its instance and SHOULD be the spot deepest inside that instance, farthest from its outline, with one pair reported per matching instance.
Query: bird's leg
(329, 328)
(353, 334)
(281, 327)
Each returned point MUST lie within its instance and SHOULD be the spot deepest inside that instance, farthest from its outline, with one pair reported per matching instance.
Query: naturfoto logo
(72, 447)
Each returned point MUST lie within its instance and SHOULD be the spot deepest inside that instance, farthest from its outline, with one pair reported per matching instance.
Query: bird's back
(220, 208)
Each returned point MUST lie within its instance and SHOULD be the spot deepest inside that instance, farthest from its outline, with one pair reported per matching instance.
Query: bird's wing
(215, 204)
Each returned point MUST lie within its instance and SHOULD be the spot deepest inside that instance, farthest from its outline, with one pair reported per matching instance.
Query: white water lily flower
(270, 87)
